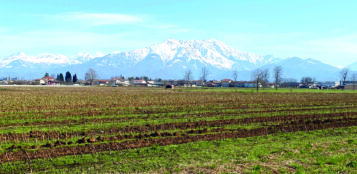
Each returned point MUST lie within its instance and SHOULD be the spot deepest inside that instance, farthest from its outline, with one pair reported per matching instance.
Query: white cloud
(97, 19)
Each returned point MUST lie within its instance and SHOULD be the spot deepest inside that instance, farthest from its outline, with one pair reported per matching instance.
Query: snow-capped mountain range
(167, 60)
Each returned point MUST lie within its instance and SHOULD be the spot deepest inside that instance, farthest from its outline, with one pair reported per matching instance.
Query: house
(245, 84)
(271, 85)
(312, 85)
(101, 82)
(48, 78)
(226, 82)
(120, 82)
(198, 83)
(123, 83)
(139, 83)
(46, 81)
(50, 81)
(290, 84)
(213, 83)
(115, 81)
(180, 83)
(326, 85)
(188, 84)
(39, 82)
(153, 83)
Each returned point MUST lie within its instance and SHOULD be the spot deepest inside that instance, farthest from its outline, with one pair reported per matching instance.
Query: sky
(325, 30)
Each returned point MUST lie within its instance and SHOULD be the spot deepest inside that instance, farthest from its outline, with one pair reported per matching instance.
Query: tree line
(261, 78)
(67, 79)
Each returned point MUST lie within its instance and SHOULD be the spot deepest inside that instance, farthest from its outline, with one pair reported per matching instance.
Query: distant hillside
(167, 60)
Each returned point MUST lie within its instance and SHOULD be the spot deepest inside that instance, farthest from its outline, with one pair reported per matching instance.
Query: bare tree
(235, 75)
(257, 78)
(277, 76)
(204, 74)
(265, 77)
(344, 73)
(260, 77)
(91, 75)
(188, 77)
(307, 80)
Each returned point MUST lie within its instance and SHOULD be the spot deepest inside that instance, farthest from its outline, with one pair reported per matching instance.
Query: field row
(43, 125)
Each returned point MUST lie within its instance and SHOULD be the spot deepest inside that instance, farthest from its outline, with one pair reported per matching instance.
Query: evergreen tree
(75, 79)
(68, 77)
(61, 78)
(46, 75)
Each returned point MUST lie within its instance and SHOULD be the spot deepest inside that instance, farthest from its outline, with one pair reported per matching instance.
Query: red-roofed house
(50, 81)
(46, 81)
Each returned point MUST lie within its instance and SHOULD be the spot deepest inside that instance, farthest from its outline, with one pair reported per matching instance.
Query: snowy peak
(209, 52)
(170, 52)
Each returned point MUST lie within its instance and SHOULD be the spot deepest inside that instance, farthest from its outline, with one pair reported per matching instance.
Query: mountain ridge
(167, 60)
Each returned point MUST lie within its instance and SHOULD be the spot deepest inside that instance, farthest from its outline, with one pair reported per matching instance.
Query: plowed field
(103, 129)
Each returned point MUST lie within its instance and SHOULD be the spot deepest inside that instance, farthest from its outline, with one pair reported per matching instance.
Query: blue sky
(320, 29)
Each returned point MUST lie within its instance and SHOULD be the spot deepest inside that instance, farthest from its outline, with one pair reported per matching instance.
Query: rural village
(146, 82)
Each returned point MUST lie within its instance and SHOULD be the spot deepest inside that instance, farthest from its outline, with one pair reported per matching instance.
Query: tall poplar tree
(68, 77)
